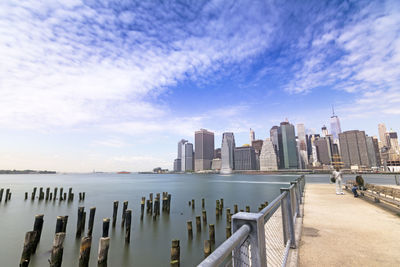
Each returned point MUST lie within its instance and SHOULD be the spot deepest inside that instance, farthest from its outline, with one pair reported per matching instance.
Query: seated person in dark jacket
(358, 185)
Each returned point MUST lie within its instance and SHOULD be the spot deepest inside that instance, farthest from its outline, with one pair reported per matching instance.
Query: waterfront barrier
(263, 238)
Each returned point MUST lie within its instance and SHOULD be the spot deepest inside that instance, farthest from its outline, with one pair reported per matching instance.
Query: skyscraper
(257, 145)
(382, 134)
(181, 154)
(324, 131)
(353, 149)
(287, 146)
(393, 144)
(373, 151)
(273, 134)
(245, 158)
(252, 136)
(188, 158)
(302, 145)
(227, 153)
(204, 149)
(335, 126)
(268, 159)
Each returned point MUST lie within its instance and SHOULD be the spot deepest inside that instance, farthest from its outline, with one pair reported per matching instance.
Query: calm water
(150, 240)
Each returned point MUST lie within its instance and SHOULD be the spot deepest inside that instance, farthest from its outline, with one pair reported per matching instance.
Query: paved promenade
(340, 230)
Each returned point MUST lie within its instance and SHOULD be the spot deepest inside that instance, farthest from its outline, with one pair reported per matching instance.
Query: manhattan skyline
(110, 86)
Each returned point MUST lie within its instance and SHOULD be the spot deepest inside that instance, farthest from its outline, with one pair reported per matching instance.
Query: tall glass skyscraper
(335, 127)
(287, 146)
(227, 153)
(204, 149)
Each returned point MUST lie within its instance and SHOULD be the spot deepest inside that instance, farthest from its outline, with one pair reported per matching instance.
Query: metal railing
(263, 238)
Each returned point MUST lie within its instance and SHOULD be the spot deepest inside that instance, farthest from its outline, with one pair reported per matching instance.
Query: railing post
(298, 196)
(256, 238)
(287, 218)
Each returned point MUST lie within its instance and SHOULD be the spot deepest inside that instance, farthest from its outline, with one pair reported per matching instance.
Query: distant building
(373, 151)
(181, 151)
(227, 153)
(204, 149)
(216, 164)
(188, 156)
(217, 153)
(302, 146)
(268, 158)
(393, 144)
(353, 149)
(323, 150)
(245, 158)
(287, 146)
(335, 127)
(324, 131)
(273, 134)
(257, 145)
(177, 165)
(252, 135)
(382, 134)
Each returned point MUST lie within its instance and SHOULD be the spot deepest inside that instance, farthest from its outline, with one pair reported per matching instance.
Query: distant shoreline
(26, 172)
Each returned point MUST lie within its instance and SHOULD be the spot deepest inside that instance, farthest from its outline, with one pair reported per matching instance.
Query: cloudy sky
(113, 85)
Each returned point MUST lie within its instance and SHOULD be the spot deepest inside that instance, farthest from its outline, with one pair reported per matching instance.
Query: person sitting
(359, 184)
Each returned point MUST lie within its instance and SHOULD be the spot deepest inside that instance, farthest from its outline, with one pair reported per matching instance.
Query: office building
(204, 149)
(257, 145)
(393, 144)
(324, 131)
(353, 149)
(288, 158)
(302, 146)
(227, 153)
(181, 152)
(335, 127)
(188, 156)
(373, 151)
(245, 158)
(268, 158)
(252, 136)
(323, 151)
(382, 134)
(273, 134)
(177, 165)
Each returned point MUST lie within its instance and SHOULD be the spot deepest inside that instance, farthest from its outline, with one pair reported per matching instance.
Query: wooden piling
(7, 195)
(26, 195)
(247, 208)
(104, 244)
(204, 213)
(207, 248)
(61, 193)
(169, 203)
(125, 206)
(175, 253)
(91, 220)
(57, 251)
(142, 207)
(198, 224)
(203, 203)
(70, 194)
(28, 248)
(55, 193)
(189, 229)
(34, 193)
(51, 196)
(84, 251)
(106, 227)
(192, 203)
(65, 196)
(128, 226)
(228, 214)
(83, 195)
(211, 233)
(115, 211)
(59, 224)
(83, 222)
(37, 226)
(41, 194)
(222, 203)
(81, 210)
(235, 208)
(47, 193)
(1, 193)
(64, 223)
(228, 231)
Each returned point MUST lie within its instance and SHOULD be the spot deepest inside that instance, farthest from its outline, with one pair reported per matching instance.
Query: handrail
(225, 249)
(268, 210)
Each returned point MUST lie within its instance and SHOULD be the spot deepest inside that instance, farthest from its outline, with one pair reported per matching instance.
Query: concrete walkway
(340, 230)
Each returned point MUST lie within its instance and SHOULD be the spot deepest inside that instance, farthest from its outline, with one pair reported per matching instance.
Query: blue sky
(113, 85)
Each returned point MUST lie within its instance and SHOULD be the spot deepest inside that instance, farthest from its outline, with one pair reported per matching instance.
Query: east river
(150, 240)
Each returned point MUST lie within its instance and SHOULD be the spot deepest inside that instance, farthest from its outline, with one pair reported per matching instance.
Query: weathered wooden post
(83, 195)
(104, 244)
(203, 203)
(91, 220)
(7, 193)
(228, 214)
(28, 248)
(247, 208)
(59, 224)
(81, 210)
(57, 251)
(41, 193)
(70, 194)
(212, 233)
(128, 226)
(64, 223)
(175, 253)
(84, 251)
(1, 193)
(189, 229)
(26, 195)
(61, 193)
(192, 203)
(207, 248)
(106, 227)
(125, 206)
(65, 196)
(235, 208)
(115, 211)
(198, 224)
(47, 193)
(169, 203)
(34, 193)
(55, 193)
(142, 207)
(51, 196)
(204, 213)
(37, 226)
(222, 203)
(228, 231)
(9, 196)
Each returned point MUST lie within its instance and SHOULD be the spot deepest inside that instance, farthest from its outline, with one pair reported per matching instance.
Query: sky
(114, 85)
